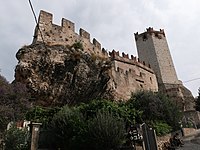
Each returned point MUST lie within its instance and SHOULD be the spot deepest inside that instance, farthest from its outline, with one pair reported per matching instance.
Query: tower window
(140, 74)
(144, 37)
(117, 68)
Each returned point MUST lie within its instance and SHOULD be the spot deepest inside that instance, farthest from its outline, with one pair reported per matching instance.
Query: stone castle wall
(128, 74)
(152, 46)
(65, 34)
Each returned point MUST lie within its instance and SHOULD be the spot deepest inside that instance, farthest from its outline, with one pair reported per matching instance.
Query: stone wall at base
(161, 140)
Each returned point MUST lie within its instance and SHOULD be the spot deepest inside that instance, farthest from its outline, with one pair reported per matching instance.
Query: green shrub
(105, 131)
(73, 130)
(119, 109)
(68, 127)
(78, 45)
(155, 107)
(41, 114)
(17, 139)
(162, 128)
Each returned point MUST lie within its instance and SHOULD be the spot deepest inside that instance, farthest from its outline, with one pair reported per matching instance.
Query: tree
(5, 110)
(17, 139)
(41, 114)
(118, 109)
(68, 127)
(197, 102)
(105, 131)
(73, 130)
(156, 107)
(13, 102)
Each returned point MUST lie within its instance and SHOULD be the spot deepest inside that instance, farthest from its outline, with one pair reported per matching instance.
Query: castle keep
(153, 70)
(152, 48)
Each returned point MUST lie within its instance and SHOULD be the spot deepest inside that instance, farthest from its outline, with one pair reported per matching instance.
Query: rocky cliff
(57, 75)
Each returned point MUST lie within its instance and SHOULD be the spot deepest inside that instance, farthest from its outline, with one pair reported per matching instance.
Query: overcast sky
(113, 23)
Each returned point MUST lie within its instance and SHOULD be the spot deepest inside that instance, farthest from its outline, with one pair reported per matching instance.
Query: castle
(153, 70)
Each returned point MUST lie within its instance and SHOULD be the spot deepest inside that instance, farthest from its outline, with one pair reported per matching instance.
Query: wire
(33, 11)
(191, 80)
(37, 25)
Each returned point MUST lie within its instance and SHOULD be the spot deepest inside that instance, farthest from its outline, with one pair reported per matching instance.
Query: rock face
(58, 75)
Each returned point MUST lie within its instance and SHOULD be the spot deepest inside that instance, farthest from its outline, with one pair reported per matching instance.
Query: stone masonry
(131, 75)
(128, 74)
(65, 34)
(152, 48)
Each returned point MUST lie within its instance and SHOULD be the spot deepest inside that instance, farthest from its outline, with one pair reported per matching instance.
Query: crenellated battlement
(150, 31)
(67, 25)
(115, 55)
(65, 34)
(84, 34)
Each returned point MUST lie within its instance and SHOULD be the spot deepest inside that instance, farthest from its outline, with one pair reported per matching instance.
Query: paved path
(191, 144)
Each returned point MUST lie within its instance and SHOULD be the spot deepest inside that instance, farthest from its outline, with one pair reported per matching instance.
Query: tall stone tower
(152, 48)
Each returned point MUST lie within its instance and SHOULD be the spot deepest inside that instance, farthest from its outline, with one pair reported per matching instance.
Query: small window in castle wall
(140, 74)
(144, 37)
(141, 85)
(117, 68)
(115, 85)
(151, 80)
